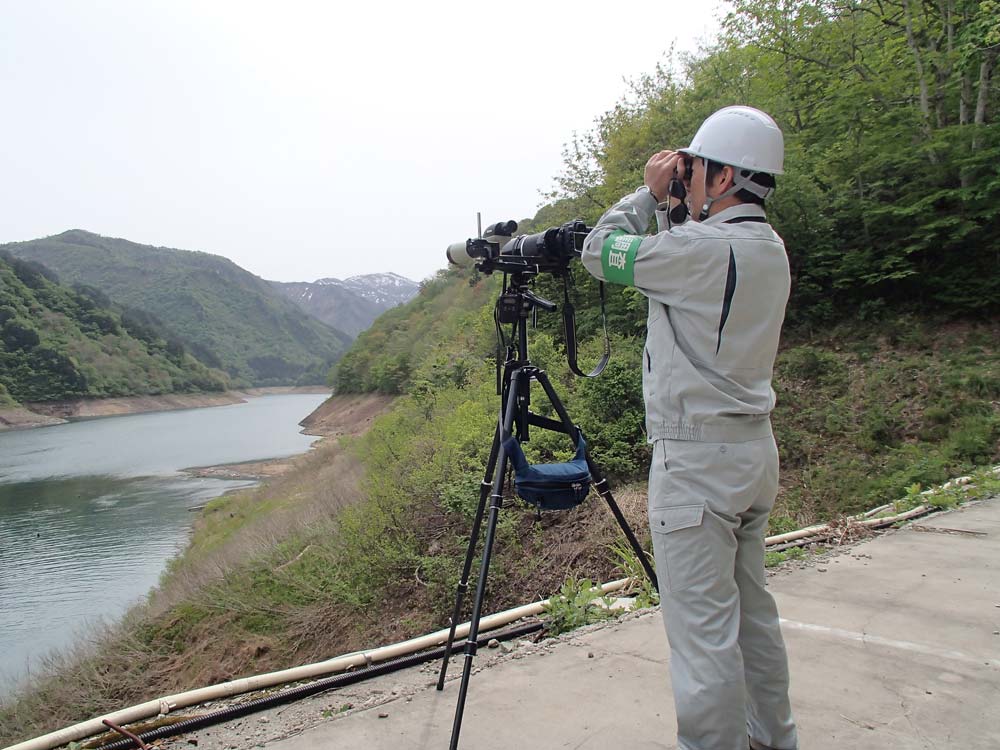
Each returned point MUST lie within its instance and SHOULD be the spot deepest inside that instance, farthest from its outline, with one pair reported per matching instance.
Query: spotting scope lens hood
(471, 251)
(458, 254)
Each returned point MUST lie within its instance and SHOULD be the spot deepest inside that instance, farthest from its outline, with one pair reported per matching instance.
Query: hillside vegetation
(432, 328)
(227, 317)
(58, 343)
(864, 409)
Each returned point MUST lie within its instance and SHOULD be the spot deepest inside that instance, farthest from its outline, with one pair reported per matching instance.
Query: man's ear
(726, 176)
(722, 181)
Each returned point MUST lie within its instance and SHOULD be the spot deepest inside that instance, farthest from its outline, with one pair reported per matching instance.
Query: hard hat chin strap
(741, 181)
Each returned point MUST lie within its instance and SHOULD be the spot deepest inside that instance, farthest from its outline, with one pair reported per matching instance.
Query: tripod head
(517, 301)
(513, 306)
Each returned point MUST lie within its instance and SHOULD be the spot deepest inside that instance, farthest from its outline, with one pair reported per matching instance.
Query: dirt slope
(348, 414)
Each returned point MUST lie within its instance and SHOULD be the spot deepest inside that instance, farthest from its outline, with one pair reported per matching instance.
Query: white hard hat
(741, 137)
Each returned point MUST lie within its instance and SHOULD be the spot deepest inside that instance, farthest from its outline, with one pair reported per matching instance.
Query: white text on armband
(618, 257)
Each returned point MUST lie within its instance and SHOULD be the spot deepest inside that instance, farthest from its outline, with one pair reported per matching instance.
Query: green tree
(19, 334)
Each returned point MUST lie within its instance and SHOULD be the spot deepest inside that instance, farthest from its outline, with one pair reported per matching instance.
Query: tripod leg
(496, 502)
(600, 482)
(601, 485)
(463, 584)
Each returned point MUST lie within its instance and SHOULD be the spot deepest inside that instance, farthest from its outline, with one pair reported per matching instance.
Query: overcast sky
(307, 139)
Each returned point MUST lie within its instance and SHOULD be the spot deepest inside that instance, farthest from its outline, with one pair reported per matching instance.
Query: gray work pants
(708, 508)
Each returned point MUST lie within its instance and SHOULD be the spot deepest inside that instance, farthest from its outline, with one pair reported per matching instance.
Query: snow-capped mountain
(388, 289)
(352, 304)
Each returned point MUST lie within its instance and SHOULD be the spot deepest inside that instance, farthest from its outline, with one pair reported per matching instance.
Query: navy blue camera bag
(550, 486)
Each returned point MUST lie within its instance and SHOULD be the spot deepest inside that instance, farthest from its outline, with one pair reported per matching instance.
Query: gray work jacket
(717, 291)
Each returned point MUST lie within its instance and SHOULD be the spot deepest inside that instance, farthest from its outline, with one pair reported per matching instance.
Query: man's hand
(661, 168)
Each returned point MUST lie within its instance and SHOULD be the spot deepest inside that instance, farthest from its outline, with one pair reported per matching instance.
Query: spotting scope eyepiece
(502, 231)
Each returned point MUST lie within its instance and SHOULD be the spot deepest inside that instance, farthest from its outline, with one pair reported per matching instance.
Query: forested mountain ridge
(58, 343)
(227, 317)
(352, 304)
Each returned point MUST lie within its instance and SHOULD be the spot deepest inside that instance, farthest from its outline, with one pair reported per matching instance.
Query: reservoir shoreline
(43, 414)
(349, 414)
(71, 535)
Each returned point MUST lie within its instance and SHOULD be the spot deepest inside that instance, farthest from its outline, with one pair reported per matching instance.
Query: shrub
(576, 605)
(812, 364)
(19, 334)
(975, 439)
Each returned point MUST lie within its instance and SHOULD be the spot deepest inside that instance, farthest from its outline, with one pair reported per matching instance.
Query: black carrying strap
(569, 331)
(501, 340)
(679, 213)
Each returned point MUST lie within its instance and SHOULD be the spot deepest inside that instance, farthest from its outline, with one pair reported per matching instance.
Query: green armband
(618, 257)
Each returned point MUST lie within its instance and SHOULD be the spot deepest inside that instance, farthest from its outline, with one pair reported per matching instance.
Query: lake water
(91, 511)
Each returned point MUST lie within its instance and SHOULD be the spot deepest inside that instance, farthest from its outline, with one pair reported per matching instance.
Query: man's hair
(712, 168)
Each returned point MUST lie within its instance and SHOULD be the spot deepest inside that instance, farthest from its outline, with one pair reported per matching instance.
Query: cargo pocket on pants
(683, 551)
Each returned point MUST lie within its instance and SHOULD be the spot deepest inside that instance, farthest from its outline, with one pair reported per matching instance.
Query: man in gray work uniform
(717, 288)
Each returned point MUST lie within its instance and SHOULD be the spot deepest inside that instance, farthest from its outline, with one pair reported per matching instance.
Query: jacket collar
(737, 212)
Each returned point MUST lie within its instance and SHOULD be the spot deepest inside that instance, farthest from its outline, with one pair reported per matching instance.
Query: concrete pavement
(894, 643)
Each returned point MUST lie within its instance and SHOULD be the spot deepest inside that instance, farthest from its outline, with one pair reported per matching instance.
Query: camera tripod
(514, 306)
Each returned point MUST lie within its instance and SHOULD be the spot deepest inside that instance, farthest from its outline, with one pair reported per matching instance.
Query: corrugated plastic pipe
(821, 531)
(170, 703)
(312, 688)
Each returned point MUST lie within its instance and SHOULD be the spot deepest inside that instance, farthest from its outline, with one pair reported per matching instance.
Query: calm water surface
(91, 511)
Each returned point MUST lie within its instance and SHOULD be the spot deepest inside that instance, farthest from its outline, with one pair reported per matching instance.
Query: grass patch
(578, 603)
(864, 413)
(979, 485)
(773, 559)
